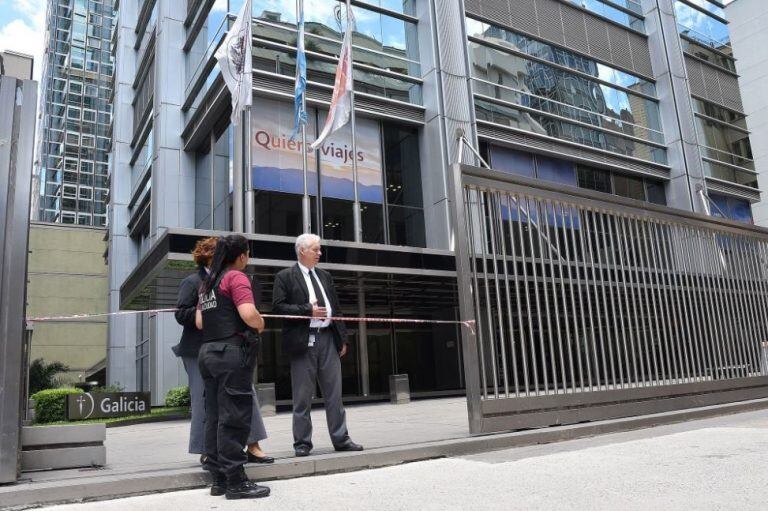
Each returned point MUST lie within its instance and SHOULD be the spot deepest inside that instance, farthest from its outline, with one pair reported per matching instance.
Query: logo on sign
(107, 404)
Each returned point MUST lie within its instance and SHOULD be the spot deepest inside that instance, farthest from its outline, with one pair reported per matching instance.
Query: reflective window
(730, 208)
(607, 10)
(700, 27)
(556, 55)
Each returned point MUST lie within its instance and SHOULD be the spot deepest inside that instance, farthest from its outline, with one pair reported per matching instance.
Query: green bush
(50, 405)
(115, 387)
(178, 396)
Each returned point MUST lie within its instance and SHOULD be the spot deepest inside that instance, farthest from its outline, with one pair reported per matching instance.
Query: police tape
(470, 324)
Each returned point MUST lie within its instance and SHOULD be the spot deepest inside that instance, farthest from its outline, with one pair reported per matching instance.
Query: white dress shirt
(316, 323)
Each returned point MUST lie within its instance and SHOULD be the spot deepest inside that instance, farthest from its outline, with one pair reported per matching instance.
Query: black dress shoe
(246, 490)
(349, 446)
(301, 452)
(219, 486)
(252, 458)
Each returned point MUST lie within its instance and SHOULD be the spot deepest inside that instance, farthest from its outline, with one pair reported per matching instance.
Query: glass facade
(624, 12)
(531, 85)
(76, 113)
(695, 21)
(571, 174)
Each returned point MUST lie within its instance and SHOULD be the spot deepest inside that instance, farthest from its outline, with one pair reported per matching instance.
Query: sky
(22, 29)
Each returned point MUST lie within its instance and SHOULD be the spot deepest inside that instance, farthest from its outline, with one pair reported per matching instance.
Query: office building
(75, 113)
(637, 99)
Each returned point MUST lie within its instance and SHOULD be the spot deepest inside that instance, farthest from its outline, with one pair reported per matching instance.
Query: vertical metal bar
(524, 353)
(476, 289)
(663, 325)
(707, 286)
(581, 264)
(730, 341)
(494, 224)
(695, 309)
(642, 296)
(521, 326)
(589, 284)
(718, 324)
(571, 285)
(723, 315)
(685, 300)
(488, 312)
(604, 318)
(535, 291)
(675, 313)
(565, 309)
(749, 311)
(651, 289)
(735, 309)
(594, 282)
(761, 298)
(543, 223)
(512, 344)
(618, 288)
(629, 293)
(758, 293)
(703, 345)
(695, 274)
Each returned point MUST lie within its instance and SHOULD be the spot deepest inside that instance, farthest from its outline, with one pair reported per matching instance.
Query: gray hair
(305, 240)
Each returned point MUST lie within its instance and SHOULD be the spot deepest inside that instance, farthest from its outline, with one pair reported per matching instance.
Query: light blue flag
(299, 104)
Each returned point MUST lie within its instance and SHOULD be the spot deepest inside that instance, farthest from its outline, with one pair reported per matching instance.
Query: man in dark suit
(315, 346)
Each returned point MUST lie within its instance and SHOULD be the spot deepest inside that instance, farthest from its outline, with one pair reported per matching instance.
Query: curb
(28, 495)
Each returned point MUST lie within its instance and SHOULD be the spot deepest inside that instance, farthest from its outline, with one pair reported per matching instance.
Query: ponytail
(228, 249)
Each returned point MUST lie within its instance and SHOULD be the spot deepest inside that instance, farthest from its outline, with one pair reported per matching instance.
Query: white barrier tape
(469, 324)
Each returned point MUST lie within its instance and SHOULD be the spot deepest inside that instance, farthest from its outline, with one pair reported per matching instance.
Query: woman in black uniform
(229, 320)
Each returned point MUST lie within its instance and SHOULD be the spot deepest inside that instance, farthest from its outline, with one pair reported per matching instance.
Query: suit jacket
(186, 303)
(291, 297)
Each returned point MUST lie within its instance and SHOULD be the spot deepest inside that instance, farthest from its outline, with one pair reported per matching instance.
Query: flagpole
(250, 194)
(356, 212)
(305, 203)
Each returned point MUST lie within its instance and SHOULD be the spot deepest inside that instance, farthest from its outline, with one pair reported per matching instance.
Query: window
(730, 208)
(701, 27)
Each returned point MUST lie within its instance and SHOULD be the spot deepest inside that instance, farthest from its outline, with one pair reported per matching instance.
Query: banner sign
(277, 160)
(101, 405)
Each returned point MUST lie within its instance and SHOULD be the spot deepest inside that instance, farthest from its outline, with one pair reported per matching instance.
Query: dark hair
(228, 249)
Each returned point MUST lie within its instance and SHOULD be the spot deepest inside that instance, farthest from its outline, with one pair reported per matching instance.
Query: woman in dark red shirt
(230, 322)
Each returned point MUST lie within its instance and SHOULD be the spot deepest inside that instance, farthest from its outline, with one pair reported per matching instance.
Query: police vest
(221, 321)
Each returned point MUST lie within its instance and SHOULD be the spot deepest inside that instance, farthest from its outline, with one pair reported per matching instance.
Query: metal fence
(590, 307)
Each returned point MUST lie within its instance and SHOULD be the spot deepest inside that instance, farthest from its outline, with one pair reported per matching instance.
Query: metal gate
(591, 307)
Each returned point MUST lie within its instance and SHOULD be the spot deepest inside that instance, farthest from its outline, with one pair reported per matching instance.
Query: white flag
(341, 100)
(235, 58)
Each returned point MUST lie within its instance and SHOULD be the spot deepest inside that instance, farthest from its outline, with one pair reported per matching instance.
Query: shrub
(50, 404)
(178, 396)
(43, 376)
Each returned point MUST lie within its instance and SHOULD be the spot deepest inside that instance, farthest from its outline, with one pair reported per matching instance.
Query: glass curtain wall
(527, 84)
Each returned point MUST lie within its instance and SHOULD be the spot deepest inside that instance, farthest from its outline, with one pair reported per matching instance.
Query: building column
(676, 109)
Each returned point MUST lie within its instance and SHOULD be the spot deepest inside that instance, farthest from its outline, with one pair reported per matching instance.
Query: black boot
(246, 490)
(219, 486)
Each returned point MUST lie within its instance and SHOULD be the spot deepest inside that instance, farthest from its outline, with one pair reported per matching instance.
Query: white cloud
(23, 38)
(25, 33)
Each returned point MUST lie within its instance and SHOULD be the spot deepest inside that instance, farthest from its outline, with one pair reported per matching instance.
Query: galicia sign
(100, 405)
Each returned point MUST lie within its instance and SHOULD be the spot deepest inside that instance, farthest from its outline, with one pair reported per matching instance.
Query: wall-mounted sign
(100, 405)
(277, 160)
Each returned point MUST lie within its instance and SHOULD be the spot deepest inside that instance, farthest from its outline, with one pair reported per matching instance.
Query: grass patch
(155, 413)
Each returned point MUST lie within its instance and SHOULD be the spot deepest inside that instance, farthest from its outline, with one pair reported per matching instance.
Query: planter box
(59, 447)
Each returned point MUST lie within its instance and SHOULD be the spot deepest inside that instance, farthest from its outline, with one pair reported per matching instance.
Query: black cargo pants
(227, 371)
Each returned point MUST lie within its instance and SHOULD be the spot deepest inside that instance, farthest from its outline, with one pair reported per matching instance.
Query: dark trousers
(319, 364)
(226, 373)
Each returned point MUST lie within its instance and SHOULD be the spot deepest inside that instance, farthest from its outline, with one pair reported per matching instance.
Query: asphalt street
(718, 464)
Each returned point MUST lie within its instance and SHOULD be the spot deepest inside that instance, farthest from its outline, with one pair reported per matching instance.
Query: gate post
(18, 99)
(469, 339)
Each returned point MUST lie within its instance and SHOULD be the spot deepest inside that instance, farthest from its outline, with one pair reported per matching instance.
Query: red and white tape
(469, 324)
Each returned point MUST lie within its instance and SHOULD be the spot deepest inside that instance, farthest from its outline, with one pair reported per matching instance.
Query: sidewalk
(152, 458)
(163, 445)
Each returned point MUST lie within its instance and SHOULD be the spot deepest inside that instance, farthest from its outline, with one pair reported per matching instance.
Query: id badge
(311, 340)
